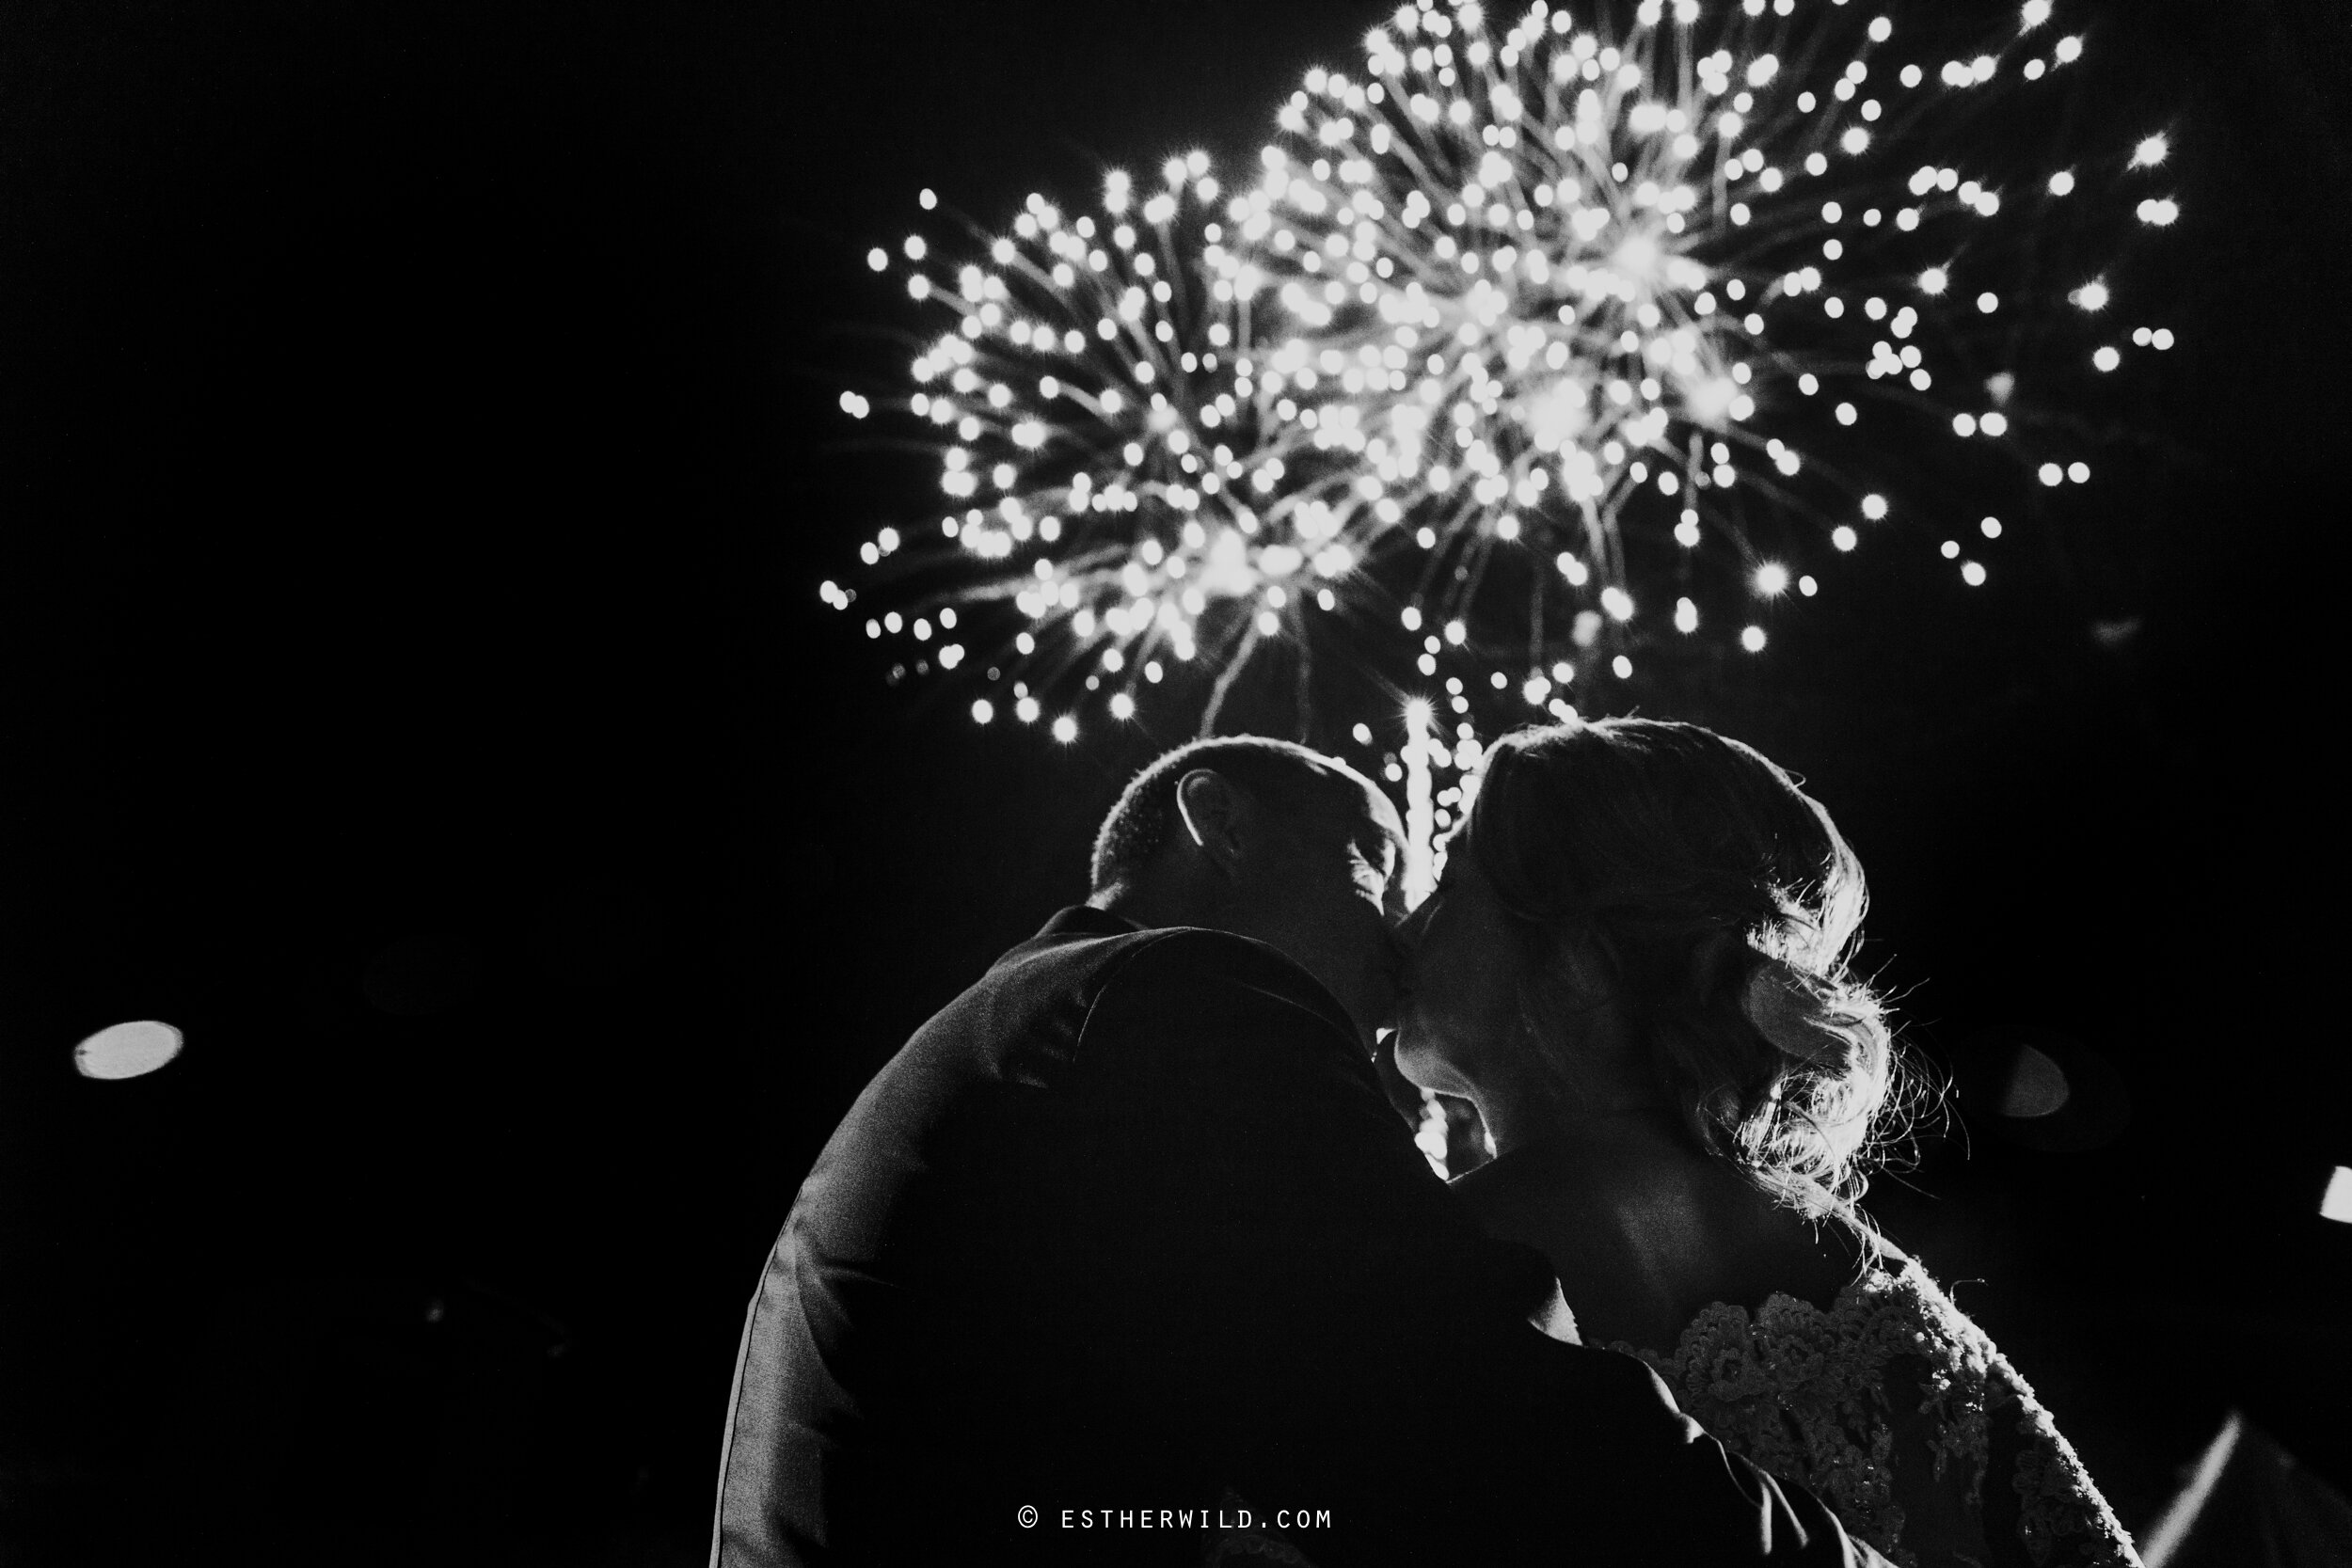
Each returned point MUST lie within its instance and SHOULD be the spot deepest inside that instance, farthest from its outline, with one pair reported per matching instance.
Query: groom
(1126, 1251)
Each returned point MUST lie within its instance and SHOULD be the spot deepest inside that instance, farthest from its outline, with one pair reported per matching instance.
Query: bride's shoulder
(1891, 1283)
(1832, 1393)
(1865, 1312)
(1853, 1317)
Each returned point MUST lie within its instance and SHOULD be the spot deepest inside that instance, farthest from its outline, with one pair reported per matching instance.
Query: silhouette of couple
(1126, 1257)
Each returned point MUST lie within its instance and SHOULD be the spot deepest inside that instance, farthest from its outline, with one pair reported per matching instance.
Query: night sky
(419, 453)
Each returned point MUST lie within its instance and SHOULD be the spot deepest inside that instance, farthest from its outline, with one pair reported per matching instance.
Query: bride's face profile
(1462, 1016)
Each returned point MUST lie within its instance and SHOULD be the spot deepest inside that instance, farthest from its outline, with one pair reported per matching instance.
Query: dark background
(418, 457)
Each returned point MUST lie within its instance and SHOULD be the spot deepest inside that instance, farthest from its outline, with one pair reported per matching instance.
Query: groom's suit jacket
(1128, 1236)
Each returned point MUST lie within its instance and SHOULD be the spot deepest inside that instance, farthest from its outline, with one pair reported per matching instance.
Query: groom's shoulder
(1196, 980)
(1198, 959)
(1094, 951)
(1118, 973)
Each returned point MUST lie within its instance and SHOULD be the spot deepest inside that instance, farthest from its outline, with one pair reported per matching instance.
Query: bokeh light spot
(2336, 1203)
(2037, 1086)
(127, 1050)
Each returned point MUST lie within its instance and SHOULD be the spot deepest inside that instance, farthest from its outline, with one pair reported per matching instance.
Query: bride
(1634, 967)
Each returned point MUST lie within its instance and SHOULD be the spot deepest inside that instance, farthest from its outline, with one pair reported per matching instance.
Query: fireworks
(1554, 347)
(1104, 441)
(1616, 322)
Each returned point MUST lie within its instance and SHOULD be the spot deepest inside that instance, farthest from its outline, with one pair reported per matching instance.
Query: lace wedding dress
(1892, 1408)
(1898, 1412)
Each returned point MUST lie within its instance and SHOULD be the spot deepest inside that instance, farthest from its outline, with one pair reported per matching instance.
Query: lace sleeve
(2060, 1516)
(1899, 1414)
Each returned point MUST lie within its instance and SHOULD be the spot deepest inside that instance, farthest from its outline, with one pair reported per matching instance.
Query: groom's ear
(1217, 819)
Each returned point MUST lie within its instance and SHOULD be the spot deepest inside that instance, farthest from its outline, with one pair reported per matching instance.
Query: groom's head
(1268, 840)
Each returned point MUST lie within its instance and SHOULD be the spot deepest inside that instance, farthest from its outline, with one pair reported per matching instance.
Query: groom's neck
(1139, 905)
(1155, 903)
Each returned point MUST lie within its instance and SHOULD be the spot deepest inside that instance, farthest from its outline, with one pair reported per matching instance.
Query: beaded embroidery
(1804, 1393)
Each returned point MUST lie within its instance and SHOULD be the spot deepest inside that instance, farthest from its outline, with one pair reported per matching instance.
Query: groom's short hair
(1281, 774)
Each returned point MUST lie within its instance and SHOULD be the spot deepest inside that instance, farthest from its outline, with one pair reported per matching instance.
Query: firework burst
(1555, 346)
(1115, 468)
(1631, 329)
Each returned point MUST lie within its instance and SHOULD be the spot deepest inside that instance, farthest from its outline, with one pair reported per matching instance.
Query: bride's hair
(1724, 903)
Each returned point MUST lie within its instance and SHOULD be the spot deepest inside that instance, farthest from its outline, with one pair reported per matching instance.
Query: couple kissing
(1130, 1234)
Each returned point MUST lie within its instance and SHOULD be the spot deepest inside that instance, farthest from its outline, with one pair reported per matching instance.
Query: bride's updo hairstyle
(1722, 902)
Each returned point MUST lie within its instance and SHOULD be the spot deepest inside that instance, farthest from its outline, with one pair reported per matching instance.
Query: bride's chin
(1421, 1063)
